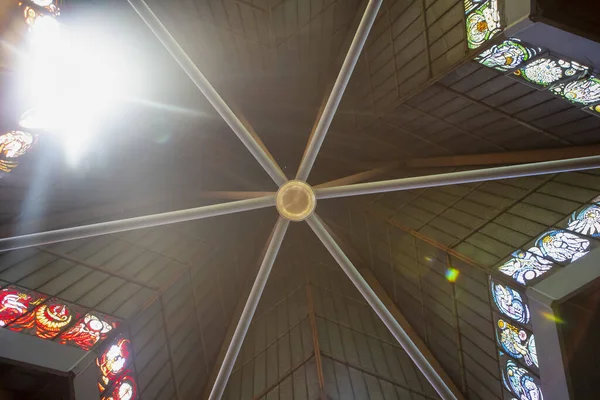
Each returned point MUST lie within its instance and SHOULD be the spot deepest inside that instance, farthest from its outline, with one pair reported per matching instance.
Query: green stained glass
(508, 55)
(483, 23)
(548, 71)
(584, 91)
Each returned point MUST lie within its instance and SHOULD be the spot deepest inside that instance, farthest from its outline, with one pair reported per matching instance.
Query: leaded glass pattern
(508, 55)
(586, 221)
(89, 331)
(483, 23)
(114, 362)
(521, 382)
(584, 91)
(16, 302)
(509, 302)
(525, 266)
(517, 342)
(561, 246)
(547, 71)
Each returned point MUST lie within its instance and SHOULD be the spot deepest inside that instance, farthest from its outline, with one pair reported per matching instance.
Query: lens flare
(452, 274)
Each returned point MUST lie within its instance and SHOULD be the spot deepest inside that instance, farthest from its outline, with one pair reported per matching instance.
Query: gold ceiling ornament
(296, 200)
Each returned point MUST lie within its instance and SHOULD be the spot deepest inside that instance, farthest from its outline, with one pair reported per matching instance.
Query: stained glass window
(88, 331)
(483, 23)
(510, 302)
(584, 91)
(49, 319)
(508, 55)
(124, 389)
(586, 221)
(16, 302)
(550, 70)
(517, 342)
(470, 5)
(113, 362)
(561, 246)
(525, 266)
(14, 144)
(521, 382)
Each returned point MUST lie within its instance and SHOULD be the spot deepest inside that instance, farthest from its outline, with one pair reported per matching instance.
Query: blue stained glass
(517, 342)
(525, 266)
(510, 302)
(521, 382)
(586, 221)
(561, 246)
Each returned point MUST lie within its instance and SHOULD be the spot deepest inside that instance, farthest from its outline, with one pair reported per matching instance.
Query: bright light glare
(43, 3)
(73, 78)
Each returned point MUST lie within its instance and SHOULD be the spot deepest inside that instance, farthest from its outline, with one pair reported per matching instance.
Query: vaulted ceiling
(414, 94)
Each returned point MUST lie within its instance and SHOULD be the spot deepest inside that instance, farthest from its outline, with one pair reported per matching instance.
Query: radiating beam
(233, 195)
(338, 89)
(509, 157)
(186, 63)
(457, 178)
(386, 316)
(249, 309)
(147, 221)
(362, 176)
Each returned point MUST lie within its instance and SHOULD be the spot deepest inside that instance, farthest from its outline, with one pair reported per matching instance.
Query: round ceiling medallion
(296, 200)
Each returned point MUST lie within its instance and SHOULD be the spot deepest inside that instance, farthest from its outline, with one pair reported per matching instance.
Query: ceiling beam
(381, 293)
(511, 157)
(363, 176)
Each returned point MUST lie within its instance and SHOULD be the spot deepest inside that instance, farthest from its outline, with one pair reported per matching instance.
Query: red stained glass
(114, 362)
(91, 329)
(15, 302)
(124, 389)
(48, 320)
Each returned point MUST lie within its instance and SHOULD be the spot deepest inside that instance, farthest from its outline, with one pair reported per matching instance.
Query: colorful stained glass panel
(586, 221)
(509, 302)
(584, 91)
(517, 342)
(525, 266)
(14, 144)
(113, 362)
(550, 70)
(48, 319)
(561, 246)
(16, 302)
(483, 23)
(124, 389)
(520, 381)
(508, 55)
(88, 331)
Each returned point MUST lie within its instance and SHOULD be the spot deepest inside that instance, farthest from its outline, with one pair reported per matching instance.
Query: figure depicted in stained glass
(87, 332)
(561, 246)
(584, 91)
(520, 382)
(125, 389)
(516, 342)
(113, 362)
(547, 71)
(507, 55)
(14, 303)
(483, 23)
(48, 320)
(510, 302)
(586, 221)
(525, 266)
